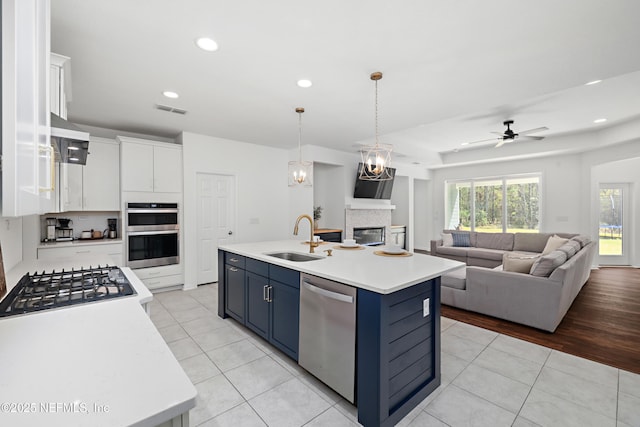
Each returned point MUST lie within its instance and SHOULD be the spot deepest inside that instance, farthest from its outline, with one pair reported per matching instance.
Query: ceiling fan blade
(482, 140)
(537, 138)
(500, 143)
(500, 134)
(540, 129)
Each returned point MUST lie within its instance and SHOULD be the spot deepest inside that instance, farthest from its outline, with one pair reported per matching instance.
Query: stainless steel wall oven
(153, 234)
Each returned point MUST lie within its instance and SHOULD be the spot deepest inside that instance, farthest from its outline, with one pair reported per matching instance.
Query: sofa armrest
(434, 245)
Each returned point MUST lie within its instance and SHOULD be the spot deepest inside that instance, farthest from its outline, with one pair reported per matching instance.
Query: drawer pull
(234, 259)
(233, 269)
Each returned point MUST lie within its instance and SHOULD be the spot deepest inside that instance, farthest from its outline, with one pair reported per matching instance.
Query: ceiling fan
(509, 135)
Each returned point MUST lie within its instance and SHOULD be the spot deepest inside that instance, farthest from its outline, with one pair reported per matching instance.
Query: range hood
(70, 143)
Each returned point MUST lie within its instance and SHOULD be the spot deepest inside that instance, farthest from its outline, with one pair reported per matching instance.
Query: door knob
(230, 233)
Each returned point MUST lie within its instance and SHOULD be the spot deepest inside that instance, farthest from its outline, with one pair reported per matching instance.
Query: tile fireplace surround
(367, 218)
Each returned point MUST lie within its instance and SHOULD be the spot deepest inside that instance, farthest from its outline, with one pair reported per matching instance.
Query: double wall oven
(153, 234)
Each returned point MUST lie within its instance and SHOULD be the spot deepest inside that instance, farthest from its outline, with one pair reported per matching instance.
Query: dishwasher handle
(329, 294)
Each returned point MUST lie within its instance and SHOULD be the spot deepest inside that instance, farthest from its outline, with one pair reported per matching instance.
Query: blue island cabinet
(267, 295)
(398, 351)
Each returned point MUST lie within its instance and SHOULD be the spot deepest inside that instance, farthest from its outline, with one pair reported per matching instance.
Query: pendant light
(376, 159)
(300, 172)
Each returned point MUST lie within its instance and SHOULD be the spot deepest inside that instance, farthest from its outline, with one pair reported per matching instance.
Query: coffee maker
(113, 227)
(64, 232)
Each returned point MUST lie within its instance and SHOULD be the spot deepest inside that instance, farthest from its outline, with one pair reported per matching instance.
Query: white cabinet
(112, 250)
(27, 186)
(150, 166)
(101, 177)
(161, 277)
(94, 186)
(59, 86)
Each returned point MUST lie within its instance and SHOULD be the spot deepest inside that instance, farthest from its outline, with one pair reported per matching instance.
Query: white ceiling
(454, 70)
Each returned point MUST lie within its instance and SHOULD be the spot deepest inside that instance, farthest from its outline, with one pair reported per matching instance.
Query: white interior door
(613, 234)
(215, 221)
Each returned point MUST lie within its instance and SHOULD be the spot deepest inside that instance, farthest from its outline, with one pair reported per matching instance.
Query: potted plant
(317, 214)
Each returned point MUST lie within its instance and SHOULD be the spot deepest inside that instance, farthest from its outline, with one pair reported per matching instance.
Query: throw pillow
(447, 239)
(461, 239)
(583, 240)
(544, 266)
(553, 243)
(570, 248)
(518, 263)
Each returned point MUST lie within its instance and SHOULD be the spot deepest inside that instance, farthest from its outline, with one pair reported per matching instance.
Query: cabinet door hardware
(233, 269)
(264, 293)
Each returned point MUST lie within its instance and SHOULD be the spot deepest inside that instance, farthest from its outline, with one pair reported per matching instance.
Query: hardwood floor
(602, 324)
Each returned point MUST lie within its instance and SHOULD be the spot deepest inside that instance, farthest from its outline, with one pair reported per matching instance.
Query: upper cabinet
(94, 186)
(150, 166)
(60, 86)
(27, 168)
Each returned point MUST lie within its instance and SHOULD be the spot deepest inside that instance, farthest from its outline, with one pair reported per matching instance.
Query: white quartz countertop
(97, 364)
(358, 268)
(79, 242)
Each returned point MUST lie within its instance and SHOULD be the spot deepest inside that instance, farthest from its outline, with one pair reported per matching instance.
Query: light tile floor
(488, 379)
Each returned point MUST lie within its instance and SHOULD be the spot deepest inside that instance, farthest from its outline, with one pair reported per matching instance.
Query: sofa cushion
(553, 243)
(583, 240)
(447, 239)
(502, 241)
(455, 279)
(570, 248)
(483, 253)
(530, 242)
(452, 250)
(518, 263)
(544, 266)
(461, 238)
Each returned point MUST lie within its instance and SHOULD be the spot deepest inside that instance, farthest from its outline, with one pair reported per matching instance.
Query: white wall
(619, 171)
(422, 207)
(327, 192)
(11, 241)
(261, 190)
(562, 190)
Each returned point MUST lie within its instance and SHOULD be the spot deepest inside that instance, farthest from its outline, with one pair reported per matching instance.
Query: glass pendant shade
(376, 159)
(300, 171)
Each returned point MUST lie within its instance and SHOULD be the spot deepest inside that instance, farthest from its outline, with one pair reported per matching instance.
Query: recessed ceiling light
(599, 120)
(465, 143)
(592, 82)
(205, 43)
(170, 94)
(304, 83)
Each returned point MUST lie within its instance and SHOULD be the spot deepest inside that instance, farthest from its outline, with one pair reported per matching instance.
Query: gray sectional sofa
(540, 291)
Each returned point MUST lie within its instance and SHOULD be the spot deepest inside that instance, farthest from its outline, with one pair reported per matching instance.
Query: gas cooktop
(42, 291)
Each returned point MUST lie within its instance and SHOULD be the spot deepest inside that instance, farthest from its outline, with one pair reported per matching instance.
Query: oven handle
(151, 233)
(152, 210)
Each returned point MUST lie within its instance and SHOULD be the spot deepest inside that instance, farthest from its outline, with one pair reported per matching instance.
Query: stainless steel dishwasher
(328, 333)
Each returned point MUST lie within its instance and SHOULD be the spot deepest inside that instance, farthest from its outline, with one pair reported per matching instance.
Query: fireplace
(370, 236)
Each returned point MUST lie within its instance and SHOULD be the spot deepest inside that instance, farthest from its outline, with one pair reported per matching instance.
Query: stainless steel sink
(294, 256)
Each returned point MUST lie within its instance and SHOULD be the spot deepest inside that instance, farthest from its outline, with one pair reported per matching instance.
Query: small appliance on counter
(64, 232)
(41, 291)
(113, 227)
(51, 229)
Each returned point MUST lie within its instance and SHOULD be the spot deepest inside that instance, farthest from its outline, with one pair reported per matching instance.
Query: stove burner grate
(41, 291)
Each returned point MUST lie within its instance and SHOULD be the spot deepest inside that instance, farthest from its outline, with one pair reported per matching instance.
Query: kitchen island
(98, 364)
(397, 337)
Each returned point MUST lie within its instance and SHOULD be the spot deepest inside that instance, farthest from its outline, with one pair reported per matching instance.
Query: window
(506, 204)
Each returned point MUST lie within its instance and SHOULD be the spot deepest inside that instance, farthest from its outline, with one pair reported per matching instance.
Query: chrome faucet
(312, 244)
